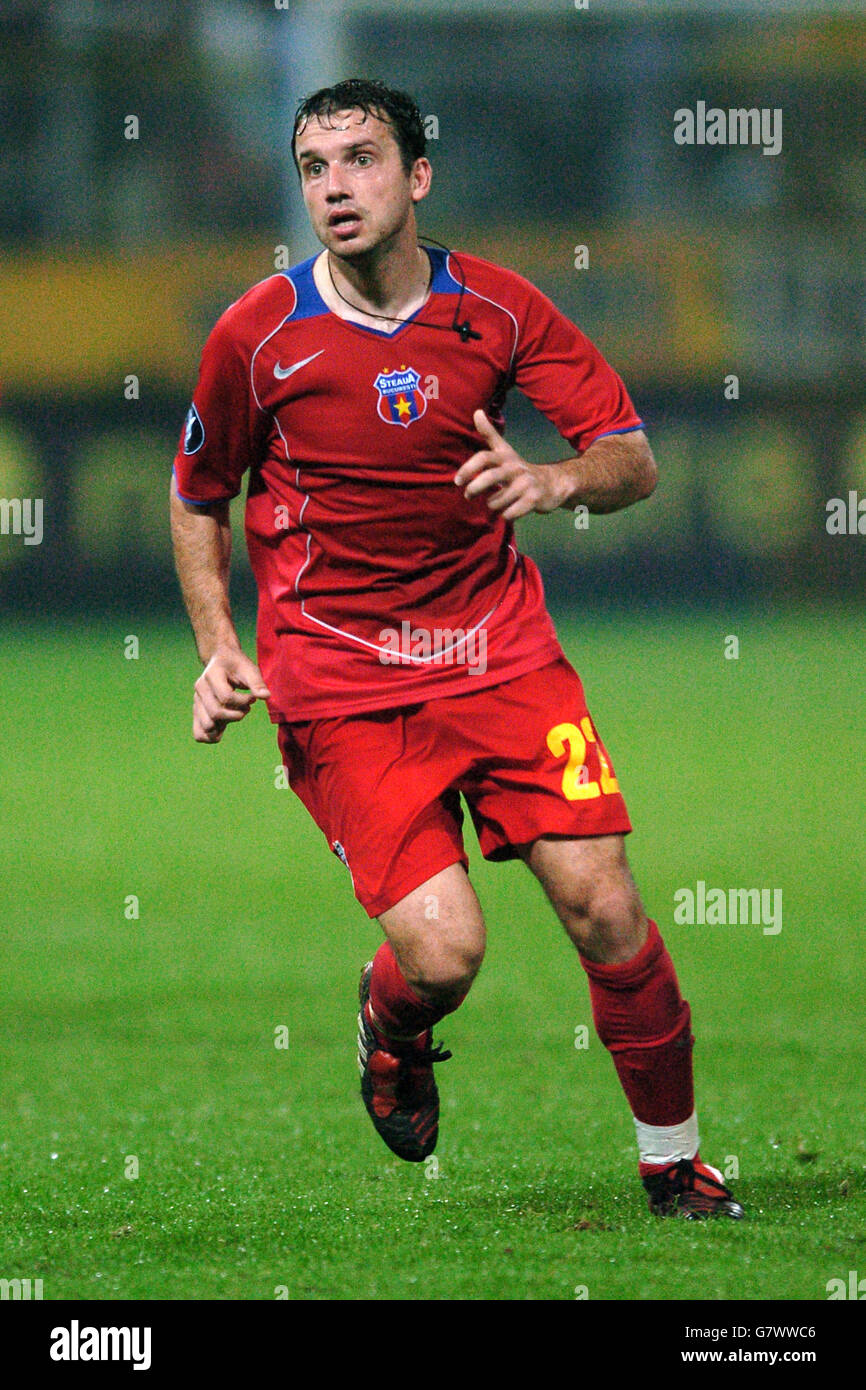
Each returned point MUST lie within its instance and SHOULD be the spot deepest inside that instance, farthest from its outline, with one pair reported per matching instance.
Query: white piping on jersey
(341, 632)
(374, 647)
(284, 320)
(265, 339)
(309, 536)
(496, 305)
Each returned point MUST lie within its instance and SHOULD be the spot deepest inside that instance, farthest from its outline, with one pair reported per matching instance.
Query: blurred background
(166, 906)
(146, 181)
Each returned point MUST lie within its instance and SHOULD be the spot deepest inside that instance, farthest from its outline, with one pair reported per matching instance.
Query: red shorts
(385, 787)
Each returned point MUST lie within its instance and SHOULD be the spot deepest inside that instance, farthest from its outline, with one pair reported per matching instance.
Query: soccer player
(404, 649)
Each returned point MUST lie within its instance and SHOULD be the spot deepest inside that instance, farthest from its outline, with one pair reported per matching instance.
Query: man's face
(357, 192)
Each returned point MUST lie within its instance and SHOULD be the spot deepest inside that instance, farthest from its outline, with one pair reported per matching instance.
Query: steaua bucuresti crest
(401, 399)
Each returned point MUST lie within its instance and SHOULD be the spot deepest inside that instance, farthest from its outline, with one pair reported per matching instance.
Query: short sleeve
(222, 433)
(565, 376)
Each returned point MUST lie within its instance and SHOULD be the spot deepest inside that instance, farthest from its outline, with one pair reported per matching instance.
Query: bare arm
(612, 473)
(202, 541)
(230, 683)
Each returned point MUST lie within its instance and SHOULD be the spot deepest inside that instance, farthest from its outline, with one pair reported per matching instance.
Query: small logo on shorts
(340, 852)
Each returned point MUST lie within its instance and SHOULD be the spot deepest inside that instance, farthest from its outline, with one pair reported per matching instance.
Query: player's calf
(640, 1017)
(420, 974)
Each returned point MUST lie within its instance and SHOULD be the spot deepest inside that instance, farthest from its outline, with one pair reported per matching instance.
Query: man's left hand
(520, 487)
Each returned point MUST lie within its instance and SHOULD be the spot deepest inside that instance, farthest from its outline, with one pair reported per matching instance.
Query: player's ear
(422, 177)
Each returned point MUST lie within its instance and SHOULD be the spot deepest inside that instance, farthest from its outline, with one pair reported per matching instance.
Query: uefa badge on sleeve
(400, 398)
(193, 432)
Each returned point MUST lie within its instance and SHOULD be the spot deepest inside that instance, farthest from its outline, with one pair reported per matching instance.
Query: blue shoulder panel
(310, 303)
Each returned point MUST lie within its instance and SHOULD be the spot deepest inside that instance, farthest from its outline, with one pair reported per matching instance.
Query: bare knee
(444, 970)
(605, 920)
(438, 936)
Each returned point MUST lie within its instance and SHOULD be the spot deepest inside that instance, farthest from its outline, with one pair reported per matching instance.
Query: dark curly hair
(396, 109)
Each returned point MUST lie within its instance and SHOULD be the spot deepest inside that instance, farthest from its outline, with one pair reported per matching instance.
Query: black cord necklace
(463, 329)
(368, 313)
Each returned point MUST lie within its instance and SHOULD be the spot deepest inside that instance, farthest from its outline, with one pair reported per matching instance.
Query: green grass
(257, 1167)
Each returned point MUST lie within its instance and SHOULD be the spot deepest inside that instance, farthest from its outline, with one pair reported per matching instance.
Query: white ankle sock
(667, 1143)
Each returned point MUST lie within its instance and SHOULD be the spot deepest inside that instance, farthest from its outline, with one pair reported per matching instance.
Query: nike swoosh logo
(282, 372)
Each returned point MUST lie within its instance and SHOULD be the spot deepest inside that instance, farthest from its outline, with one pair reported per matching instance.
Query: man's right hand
(225, 692)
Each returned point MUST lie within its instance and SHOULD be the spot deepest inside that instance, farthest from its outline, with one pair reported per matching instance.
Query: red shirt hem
(418, 692)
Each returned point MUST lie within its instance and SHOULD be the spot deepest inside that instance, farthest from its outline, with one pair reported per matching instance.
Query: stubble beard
(369, 256)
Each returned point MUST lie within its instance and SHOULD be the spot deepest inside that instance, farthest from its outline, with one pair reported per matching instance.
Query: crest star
(402, 405)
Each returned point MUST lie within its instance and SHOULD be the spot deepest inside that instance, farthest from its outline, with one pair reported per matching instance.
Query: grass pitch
(158, 1144)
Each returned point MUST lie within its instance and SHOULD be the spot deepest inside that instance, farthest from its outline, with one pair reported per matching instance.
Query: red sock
(400, 1014)
(645, 1024)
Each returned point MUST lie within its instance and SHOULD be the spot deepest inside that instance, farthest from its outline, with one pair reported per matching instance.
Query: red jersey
(379, 584)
